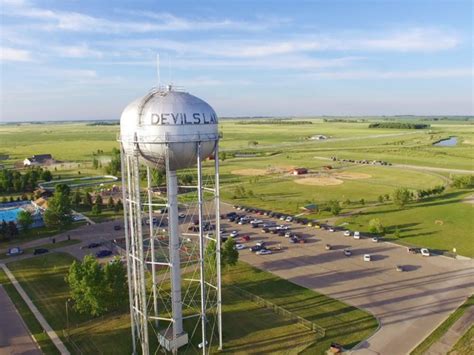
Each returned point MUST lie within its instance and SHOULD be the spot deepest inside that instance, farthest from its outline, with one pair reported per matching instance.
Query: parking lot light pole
(67, 316)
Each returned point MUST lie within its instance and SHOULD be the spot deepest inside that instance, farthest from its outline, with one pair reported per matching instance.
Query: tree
(116, 281)
(463, 182)
(46, 175)
(396, 234)
(3, 230)
(376, 227)
(25, 220)
(334, 207)
(77, 198)
(110, 203)
(58, 213)
(362, 201)
(157, 177)
(114, 166)
(96, 210)
(86, 281)
(401, 197)
(11, 230)
(95, 163)
(381, 198)
(98, 200)
(118, 205)
(87, 199)
(229, 253)
(387, 197)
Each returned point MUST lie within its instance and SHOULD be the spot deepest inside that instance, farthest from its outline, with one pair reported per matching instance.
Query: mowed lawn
(283, 188)
(442, 223)
(248, 327)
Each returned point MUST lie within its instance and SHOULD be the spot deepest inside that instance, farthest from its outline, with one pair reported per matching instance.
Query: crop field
(43, 279)
(257, 159)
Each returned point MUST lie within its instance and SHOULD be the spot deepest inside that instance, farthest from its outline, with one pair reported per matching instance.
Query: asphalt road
(408, 305)
(14, 335)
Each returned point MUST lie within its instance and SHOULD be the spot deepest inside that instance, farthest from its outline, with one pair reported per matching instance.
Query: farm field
(259, 175)
(43, 279)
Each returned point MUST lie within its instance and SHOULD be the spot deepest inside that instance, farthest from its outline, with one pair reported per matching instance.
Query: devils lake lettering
(182, 118)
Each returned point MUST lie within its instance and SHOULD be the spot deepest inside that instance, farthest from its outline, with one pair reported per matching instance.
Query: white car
(289, 219)
(330, 229)
(181, 215)
(356, 235)
(347, 252)
(288, 234)
(375, 239)
(425, 252)
(367, 257)
(347, 233)
(234, 234)
(263, 252)
(239, 246)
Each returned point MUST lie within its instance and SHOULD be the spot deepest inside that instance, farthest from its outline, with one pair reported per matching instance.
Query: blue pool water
(10, 214)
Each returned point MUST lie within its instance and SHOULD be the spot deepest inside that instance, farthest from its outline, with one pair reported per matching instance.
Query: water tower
(172, 230)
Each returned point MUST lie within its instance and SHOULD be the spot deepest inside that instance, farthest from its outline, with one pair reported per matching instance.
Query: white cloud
(78, 51)
(408, 74)
(14, 55)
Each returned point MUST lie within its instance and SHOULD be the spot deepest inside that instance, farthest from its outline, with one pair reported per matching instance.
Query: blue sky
(71, 59)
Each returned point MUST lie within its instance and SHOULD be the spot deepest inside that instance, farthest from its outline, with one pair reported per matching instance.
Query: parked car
(330, 229)
(367, 257)
(234, 234)
(239, 246)
(117, 227)
(399, 268)
(282, 218)
(255, 248)
(328, 247)
(356, 235)
(425, 252)
(91, 246)
(39, 251)
(289, 219)
(103, 253)
(263, 251)
(288, 234)
(375, 239)
(414, 250)
(347, 252)
(281, 233)
(347, 233)
(181, 215)
(245, 238)
(15, 251)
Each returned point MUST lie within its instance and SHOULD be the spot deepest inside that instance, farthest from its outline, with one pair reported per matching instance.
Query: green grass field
(442, 223)
(465, 344)
(280, 147)
(258, 327)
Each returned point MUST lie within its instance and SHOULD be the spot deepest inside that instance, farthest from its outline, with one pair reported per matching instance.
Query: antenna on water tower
(158, 77)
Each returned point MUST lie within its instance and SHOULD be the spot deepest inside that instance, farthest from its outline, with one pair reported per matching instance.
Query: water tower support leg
(218, 243)
(201, 250)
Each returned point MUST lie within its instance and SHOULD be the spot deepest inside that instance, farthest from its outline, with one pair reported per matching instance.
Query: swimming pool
(9, 214)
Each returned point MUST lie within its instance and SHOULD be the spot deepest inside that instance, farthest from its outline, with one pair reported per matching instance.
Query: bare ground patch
(348, 175)
(469, 199)
(319, 181)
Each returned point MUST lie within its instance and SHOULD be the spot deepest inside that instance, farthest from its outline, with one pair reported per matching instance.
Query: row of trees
(463, 182)
(8, 230)
(399, 125)
(15, 181)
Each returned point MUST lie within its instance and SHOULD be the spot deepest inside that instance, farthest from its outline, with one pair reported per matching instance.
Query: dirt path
(447, 341)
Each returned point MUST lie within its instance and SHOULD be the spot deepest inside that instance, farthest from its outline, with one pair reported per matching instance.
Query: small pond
(448, 142)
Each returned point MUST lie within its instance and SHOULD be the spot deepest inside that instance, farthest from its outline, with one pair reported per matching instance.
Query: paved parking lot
(14, 335)
(408, 305)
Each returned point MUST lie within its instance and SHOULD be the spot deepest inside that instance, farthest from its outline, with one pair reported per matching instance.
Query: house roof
(40, 157)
